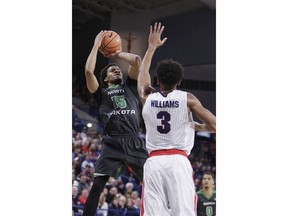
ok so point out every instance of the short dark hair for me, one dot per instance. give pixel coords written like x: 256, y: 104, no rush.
x: 209, y: 173
x: 169, y: 72
x: 103, y: 74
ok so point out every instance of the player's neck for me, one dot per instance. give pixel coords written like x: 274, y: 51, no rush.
x: 166, y: 91
x: 208, y: 191
x: 112, y: 85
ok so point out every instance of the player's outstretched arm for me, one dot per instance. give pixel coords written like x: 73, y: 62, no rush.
x: 144, y: 79
x: 208, y: 119
x: 91, y: 80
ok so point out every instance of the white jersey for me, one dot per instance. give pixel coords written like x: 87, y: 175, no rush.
x: 169, y: 125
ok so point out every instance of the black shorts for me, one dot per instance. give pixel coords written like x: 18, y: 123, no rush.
x: 120, y: 151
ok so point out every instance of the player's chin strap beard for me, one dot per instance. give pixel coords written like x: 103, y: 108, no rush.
x: 116, y: 81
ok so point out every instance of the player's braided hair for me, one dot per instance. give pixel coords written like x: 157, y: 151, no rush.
x: 169, y: 72
x: 103, y: 74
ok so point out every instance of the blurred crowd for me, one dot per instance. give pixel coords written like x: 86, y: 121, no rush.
x: 122, y: 194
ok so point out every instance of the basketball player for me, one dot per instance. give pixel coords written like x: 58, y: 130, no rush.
x: 168, y: 187
x: 119, y: 108
x: 206, y: 204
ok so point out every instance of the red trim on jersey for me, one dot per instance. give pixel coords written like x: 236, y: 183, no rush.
x: 142, y: 200
x: 167, y: 152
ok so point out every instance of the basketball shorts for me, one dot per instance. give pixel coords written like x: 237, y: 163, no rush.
x: 118, y: 151
x: 168, y: 187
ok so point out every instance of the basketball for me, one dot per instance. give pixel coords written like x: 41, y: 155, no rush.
x: 111, y: 43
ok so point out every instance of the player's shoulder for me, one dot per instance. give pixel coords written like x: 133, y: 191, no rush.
x: 178, y: 91
x: 200, y: 192
x: 190, y: 95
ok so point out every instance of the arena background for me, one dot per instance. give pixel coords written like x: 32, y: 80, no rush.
x: 191, y: 30
x: 35, y: 89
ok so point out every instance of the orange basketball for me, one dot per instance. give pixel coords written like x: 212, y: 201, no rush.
x: 111, y: 43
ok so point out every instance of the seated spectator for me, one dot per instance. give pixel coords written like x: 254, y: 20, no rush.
x: 134, y: 195
x: 137, y: 203
x: 131, y: 210
x: 86, y: 162
x: 122, y: 203
x: 129, y: 187
x: 120, y: 186
x: 83, y: 197
x: 102, y: 209
x: 76, y: 166
x: 113, y: 208
x: 85, y: 146
x: 75, y: 195
x: 128, y: 194
x: 89, y: 172
x: 112, y: 193
x: 106, y: 192
x: 83, y: 184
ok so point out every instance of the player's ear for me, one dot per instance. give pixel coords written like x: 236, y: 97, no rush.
x: 179, y: 83
x: 105, y: 79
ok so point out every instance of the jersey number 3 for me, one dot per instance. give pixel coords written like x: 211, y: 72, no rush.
x: 165, y: 126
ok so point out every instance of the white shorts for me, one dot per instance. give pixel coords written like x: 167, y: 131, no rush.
x: 168, y: 186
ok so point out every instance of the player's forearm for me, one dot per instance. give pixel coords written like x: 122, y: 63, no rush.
x: 131, y: 58
x: 144, y: 78
x: 209, y: 124
x: 203, y: 127
x: 91, y: 60
x: 91, y: 81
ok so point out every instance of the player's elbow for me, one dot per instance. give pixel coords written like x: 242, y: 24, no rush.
x: 137, y: 61
x: 89, y: 70
x: 92, y: 90
x: 92, y: 86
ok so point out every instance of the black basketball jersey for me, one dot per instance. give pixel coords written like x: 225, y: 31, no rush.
x: 206, y: 206
x: 120, y: 108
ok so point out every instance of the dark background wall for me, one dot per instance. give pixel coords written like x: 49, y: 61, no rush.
x: 191, y: 41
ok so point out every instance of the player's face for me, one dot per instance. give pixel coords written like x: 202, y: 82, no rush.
x: 207, y: 181
x: 114, y: 75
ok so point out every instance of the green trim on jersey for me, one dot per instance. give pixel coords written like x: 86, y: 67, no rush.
x: 113, y: 86
x: 202, y: 193
x: 98, y: 174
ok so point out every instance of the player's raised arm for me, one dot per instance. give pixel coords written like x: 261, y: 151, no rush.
x: 91, y: 80
x: 144, y: 79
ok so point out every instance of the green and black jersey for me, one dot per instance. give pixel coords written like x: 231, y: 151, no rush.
x: 120, y: 108
x: 206, y: 206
